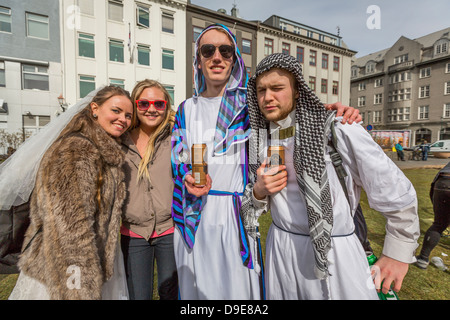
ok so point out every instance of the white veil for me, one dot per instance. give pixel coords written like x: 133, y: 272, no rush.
x: 18, y: 172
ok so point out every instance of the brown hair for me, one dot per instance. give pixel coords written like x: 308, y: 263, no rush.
x: 150, y: 148
x: 101, y: 97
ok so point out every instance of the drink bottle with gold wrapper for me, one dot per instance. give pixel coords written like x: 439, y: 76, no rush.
x: 276, y: 156
x: 199, y: 164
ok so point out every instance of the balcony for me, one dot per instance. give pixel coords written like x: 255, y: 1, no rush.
x: 401, y: 66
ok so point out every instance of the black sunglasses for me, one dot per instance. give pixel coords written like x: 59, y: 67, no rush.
x: 208, y: 50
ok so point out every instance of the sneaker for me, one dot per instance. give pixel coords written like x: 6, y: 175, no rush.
x: 422, y: 264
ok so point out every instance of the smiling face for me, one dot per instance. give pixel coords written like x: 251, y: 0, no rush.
x: 276, y: 94
x: 151, y: 118
x: 114, y: 115
x: 216, y: 69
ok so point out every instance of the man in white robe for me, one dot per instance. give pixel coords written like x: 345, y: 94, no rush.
x: 312, y: 251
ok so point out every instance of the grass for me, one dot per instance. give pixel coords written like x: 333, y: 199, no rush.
x: 429, y: 284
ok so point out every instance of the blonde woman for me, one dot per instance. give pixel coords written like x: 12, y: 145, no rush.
x: 147, y: 227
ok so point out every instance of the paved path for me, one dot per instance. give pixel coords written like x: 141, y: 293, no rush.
x: 432, y: 163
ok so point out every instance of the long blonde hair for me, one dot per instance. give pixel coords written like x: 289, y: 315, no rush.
x: 150, y: 149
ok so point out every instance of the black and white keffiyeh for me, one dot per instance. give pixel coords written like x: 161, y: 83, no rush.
x: 312, y: 121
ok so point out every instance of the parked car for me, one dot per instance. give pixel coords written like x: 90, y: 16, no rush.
x: 441, y: 149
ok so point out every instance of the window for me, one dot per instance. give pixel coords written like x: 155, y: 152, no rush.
x: 246, y: 46
x: 447, y: 69
x: 400, y: 77
x: 286, y: 48
x: 354, y: 71
x: 324, y: 86
x: 424, y: 92
x: 297, y: 30
x: 143, y: 16
x: 115, y: 10
x: 5, y: 19
x: 312, y: 57
x: 362, y: 101
x: 300, y: 54
x: 32, y: 124
x: 378, y: 82
x: 310, y: 34
x: 117, y: 82
x: 441, y: 47
x: 425, y: 72
x: 423, y: 112
x: 361, y: 86
x: 378, y: 98
x: 312, y: 83
x: 447, y: 88
x: 2, y: 75
x: 171, y: 91
x: 86, y: 45
x: 377, y: 116
x: 400, y: 59
x: 116, y: 50
x: 370, y: 67
x: 86, y: 7
x: 35, y: 77
x: 324, y: 61
x: 400, y: 95
x: 268, y: 46
x: 143, y: 55
x: 87, y: 84
x: 196, y: 32
x: 37, y: 26
x: 447, y: 110
x: 336, y: 62
x: 335, y: 89
x: 167, y: 22
x: 168, y: 59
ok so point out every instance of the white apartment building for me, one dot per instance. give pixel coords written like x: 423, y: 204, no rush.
x: 121, y: 42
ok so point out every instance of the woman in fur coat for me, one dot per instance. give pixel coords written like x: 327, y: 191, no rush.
x: 76, y: 205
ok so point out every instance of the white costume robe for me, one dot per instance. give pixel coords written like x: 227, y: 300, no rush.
x: 213, y: 268
x: 289, y: 254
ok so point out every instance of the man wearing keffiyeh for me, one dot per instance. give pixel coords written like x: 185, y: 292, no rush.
x: 312, y: 251
x: 215, y: 257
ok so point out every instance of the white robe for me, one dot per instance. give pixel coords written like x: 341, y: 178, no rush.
x: 289, y: 253
x: 213, y: 268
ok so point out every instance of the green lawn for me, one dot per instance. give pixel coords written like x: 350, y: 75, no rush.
x: 430, y: 284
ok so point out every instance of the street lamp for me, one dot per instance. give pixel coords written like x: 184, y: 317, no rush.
x: 62, y: 103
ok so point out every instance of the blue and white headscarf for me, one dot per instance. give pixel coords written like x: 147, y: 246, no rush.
x: 232, y: 123
x: 233, y: 127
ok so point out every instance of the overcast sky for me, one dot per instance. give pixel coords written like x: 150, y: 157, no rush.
x: 410, y: 18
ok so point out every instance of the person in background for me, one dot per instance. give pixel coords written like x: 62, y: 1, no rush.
x: 71, y: 248
x: 399, y: 148
x: 147, y: 224
x: 440, y: 197
x: 425, y: 149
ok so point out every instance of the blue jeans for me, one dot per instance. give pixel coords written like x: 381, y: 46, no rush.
x: 139, y: 258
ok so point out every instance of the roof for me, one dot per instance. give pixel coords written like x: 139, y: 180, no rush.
x: 425, y: 41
